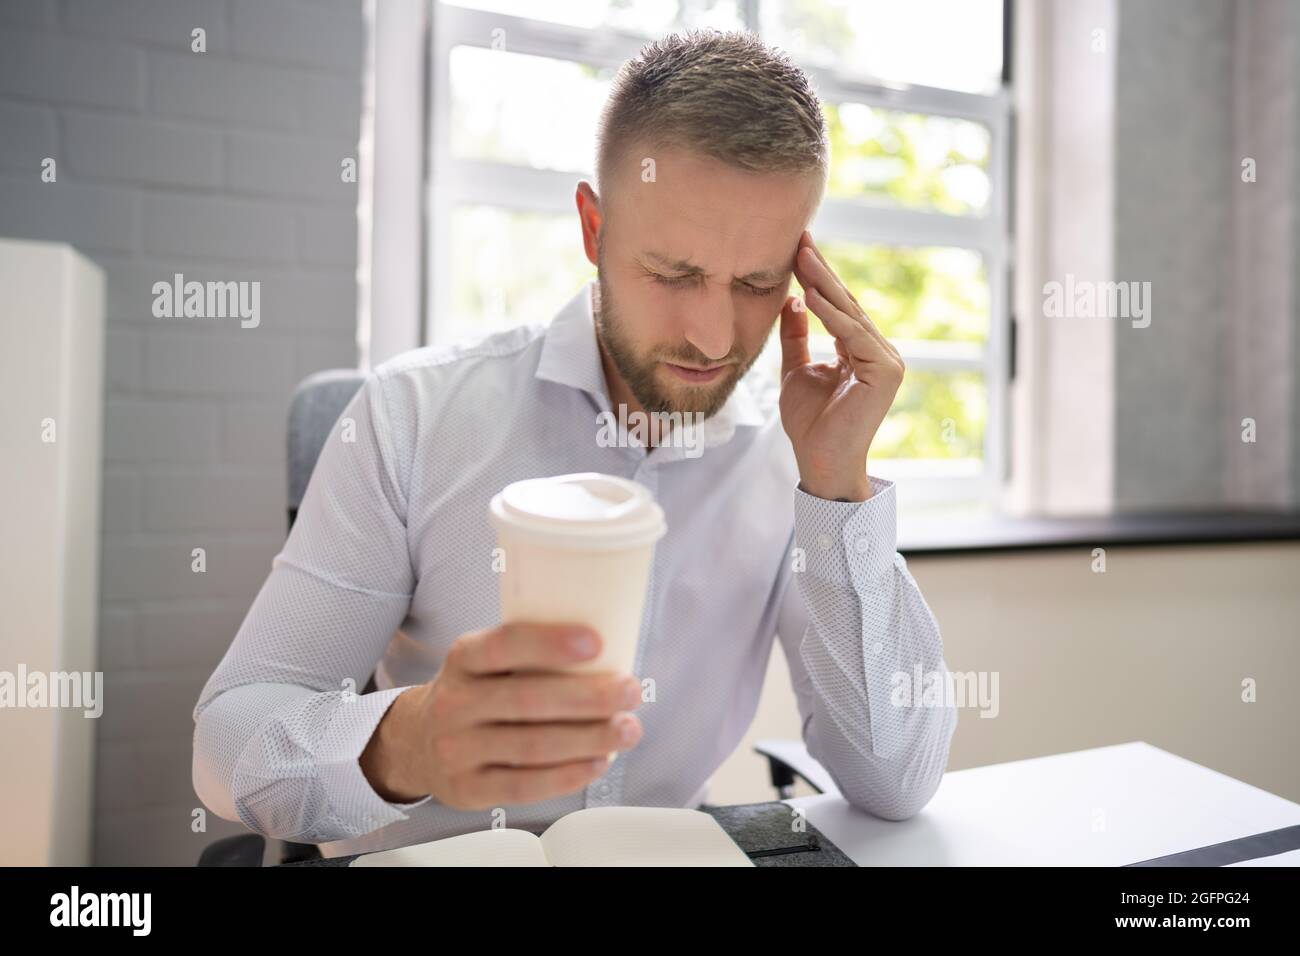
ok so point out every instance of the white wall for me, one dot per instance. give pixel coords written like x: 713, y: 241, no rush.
x: 1154, y: 649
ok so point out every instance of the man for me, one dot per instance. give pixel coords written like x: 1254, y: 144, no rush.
x: 711, y: 162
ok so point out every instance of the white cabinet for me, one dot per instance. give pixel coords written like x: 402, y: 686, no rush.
x: 51, y: 427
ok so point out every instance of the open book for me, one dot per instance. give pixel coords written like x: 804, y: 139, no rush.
x: 597, y: 836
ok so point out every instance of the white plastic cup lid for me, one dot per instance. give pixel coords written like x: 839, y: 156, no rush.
x: 584, y: 510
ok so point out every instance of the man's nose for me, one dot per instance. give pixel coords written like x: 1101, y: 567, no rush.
x: 711, y: 327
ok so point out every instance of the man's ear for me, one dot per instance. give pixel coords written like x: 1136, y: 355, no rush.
x: 590, y: 219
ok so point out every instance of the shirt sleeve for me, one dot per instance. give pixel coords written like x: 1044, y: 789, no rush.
x: 281, y: 724
x: 855, y: 627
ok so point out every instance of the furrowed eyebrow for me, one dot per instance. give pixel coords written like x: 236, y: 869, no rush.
x: 682, y: 265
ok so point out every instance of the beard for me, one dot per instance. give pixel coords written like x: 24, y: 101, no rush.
x: 639, y: 372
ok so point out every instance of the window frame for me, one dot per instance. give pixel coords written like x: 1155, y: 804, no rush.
x: 453, y: 181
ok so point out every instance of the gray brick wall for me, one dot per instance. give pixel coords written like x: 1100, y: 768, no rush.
x: 221, y: 165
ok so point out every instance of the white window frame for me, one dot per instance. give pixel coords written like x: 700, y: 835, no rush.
x: 453, y: 181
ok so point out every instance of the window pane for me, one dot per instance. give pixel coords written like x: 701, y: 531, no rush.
x: 503, y: 108
x: 935, y: 163
x: 953, y: 44
x: 648, y: 17
x: 935, y: 415
x: 937, y: 293
x: 499, y: 274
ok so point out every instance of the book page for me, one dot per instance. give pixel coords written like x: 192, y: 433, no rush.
x: 640, y: 836
x: 499, y: 847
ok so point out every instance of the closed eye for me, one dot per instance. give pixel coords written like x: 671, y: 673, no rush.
x: 677, y: 282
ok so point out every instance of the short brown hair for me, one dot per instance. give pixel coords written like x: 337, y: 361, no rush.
x: 722, y: 93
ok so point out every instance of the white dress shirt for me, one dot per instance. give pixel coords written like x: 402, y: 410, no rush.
x: 390, y: 560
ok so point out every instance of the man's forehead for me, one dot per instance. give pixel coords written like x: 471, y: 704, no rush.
x: 727, y: 214
x: 678, y: 236
x: 705, y: 194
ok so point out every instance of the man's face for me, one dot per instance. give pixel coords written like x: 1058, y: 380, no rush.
x: 693, y: 270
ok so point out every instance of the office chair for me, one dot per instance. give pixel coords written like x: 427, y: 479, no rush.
x: 315, y: 407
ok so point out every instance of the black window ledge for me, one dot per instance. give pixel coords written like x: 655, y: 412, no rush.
x: 926, y: 536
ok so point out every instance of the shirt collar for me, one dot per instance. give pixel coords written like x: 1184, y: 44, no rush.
x: 570, y: 356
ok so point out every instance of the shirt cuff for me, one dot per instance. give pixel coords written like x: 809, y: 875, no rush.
x: 850, y: 543
x: 350, y: 795
x: 850, y: 548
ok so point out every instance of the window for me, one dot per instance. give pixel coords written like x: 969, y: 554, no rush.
x: 915, y: 217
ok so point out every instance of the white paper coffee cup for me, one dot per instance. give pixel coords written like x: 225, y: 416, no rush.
x: 578, y: 549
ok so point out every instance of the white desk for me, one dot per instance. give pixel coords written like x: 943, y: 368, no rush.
x: 1105, y: 807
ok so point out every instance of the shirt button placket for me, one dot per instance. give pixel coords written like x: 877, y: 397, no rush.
x: 608, y: 789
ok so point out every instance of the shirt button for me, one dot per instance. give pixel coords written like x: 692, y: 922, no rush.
x: 877, y: 647
x: 824, y: 541
x: 603, y: 790
x: 862, y: 543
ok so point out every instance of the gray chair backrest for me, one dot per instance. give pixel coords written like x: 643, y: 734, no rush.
x: 317, y: 403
